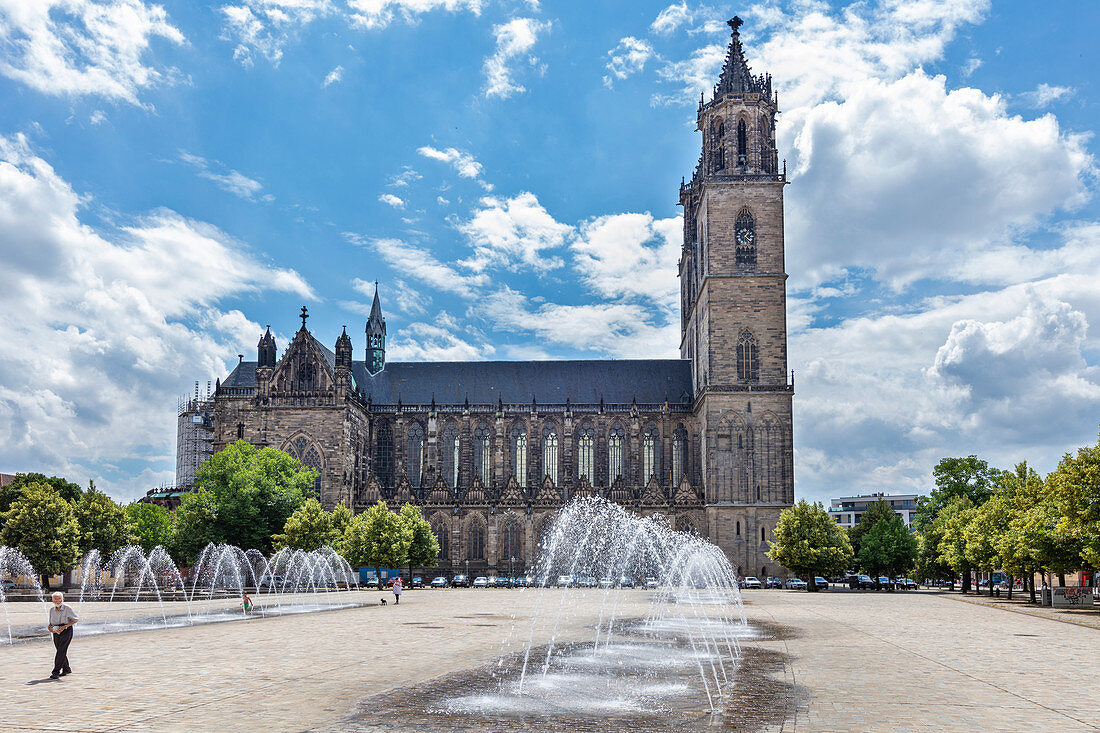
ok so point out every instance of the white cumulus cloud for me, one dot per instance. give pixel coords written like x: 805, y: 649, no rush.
x: 514, y: 40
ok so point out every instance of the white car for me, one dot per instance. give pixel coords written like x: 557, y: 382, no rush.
x: 481, y: 582
x: 751, y: 582
x: 566, y: 581
x: 796, y: 584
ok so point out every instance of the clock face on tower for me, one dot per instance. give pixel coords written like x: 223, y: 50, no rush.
x: 745, y: 237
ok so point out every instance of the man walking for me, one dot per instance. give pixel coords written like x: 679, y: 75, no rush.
x: 62, y: 619
x: 398, y: 586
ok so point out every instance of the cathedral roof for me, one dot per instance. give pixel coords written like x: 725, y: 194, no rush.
x: 614, y: 381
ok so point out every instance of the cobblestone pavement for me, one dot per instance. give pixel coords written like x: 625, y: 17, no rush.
x: 853, y: 662
x: 925, y: 662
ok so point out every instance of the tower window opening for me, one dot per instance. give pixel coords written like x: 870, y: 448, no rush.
x: 742, y: 143
x: 748, y: 358
x: 481, y: 453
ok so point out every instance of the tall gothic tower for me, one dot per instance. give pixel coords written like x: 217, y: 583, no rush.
x: 734, y: 327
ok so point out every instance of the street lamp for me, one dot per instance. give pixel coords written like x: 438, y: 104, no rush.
x: 511, y: 559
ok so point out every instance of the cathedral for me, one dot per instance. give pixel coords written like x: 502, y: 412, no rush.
x: 490, y: 450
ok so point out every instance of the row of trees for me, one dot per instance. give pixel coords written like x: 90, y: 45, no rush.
x: 809, y: 542
x: 250, y: 497
x: 985, y: 519
x: 377, y: 538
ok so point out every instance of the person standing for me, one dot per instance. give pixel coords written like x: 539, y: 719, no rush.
x: 398, y: 586
x: 62, y: 618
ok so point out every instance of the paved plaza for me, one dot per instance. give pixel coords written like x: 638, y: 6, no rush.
x: 850, y: 661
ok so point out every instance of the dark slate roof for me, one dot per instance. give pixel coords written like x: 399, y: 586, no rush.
x: 515, y: 382
x: 518, y: 382
x: 244, y: 376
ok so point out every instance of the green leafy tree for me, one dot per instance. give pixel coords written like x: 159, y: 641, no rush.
x: 970, y: 477
x: 1075, y: 486
x: 149, y: 525
x: 102, y: 523
x: 930, y: 565
x: 888, y: 547
x: 341, y: 518
x: 41, y: 524
x: 809, y: 542
x: 377, y: 538
x: 68, y: 491
x: 309, y: 527
x: 877, y: 512
x: 424, y: 546
x: 953, y: 519
x: 245, y: 496
x: 196, y: 526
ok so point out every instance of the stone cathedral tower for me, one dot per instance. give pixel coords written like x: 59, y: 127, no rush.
x: 734, y: 327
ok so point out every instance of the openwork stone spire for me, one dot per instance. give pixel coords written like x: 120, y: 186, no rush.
x: 737, y: 77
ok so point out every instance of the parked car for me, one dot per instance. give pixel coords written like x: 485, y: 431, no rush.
x: 820, y: 583
x: 481, y: 582
x: 566, y: 581
x: 502, y: 582
x: 587, y: 583
x: 651, y: 584
x: 751, y: 582
x: 607, y: 582
x: 460, y: 581
x: 418, y: 582
x: 626, y: 582
x: 8, y: 584
x: 439, y: 582
x: 796, y: 584
x: 271, y: 581
x: 885, y: 583
x: 525, y: 581
x: 862, y: 582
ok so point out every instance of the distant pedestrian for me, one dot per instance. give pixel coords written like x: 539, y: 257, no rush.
x: 62, y: 619
x: 398, y: 586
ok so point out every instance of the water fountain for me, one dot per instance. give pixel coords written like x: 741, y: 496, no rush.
x: 134, y: 590
x: 14, y: 565
x: 659, y: 658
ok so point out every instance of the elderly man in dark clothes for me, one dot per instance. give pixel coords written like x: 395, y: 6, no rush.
x: 62, y: 618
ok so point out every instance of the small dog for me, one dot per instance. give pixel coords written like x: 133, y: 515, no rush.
x: 383, y: 601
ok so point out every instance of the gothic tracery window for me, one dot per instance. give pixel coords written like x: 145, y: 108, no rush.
x: 742, y: 143
x: 475, y: 541
x: 416, y: 454
x: 720, y: 146
x: 745, y: 239
x: 383, y: 455
x: 679, y: 452
x: 482, y: 453
x: 586, y: 453
x: 550, y: 453
x: 450, y: 450
x: 650, y: 443
x: 615, y: 441
x: 748, y: 357
x: 439, y: 529
x: 519, y: 454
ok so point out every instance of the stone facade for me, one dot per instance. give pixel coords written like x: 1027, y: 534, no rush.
x: 490, y: 451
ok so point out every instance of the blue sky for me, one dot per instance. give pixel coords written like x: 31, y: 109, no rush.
x: 173, y: 177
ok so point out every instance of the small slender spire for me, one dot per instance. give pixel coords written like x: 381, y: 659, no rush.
x: 304, y: 316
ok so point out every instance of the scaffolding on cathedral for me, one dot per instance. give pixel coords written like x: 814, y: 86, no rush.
x: 194, y: 435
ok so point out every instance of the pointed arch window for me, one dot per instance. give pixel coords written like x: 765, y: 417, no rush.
x: 586, y: 453
x: 439, y: 529
x: 416, y: 454
x: 475, y: 541
x: 482, y: 453
x: 650, y: 442
x: 720, y: 146
x: 451, y: 447
x: 550, y: 453
x: 745, y: 239
x: 383, y: 455
x: 679, y: 453
x: 742, y: 143
x: 519, y: 454
x: 748, y: 358
x: 616, y: 439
